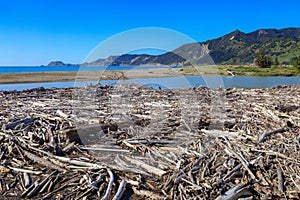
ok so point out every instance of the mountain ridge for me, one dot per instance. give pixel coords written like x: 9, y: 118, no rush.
x: 233, y: 48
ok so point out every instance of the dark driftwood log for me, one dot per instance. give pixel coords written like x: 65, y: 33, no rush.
x: 12, y: 125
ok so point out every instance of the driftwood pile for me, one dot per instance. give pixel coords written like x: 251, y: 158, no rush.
x: 131, y: 142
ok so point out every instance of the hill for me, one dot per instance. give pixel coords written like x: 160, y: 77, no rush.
x: 233, y: 48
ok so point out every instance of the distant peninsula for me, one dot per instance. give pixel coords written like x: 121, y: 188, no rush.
x: 60, y: 63
x: 235, y: 48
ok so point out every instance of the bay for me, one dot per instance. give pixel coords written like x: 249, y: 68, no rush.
x: 174, y: 82
x: 27, y: 69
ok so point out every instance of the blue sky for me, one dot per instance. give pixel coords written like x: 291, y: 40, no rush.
x: 35, y: 32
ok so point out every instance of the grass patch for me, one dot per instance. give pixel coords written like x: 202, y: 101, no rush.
x: 256, y: 71
x: 201, y: 70
x: 239, y: 70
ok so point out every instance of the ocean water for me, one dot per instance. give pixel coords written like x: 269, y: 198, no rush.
x: 24, y: 69
x: 174, y: 82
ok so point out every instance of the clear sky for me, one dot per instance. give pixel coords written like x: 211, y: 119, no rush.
x: 35, y: 32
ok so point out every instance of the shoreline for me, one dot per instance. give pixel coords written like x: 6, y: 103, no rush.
x: 69, y: 76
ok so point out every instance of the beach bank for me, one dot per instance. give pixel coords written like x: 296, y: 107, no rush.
x: 36, y: 77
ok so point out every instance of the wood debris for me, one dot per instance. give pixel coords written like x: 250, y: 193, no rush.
x: 132, y: 142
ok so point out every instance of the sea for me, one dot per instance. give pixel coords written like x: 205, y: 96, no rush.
x: 156, y: 83
x: 27, y: 69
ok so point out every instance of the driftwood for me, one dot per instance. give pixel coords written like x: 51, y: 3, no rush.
x: 120, y: 191
x: 240, y: 190
x: 266, y: 134
x: 109, y: 186
x: 12, y: 125
x: 132, y: 142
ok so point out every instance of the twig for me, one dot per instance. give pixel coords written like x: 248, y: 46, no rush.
x: 266, y: 134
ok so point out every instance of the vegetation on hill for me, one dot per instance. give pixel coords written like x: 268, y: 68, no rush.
x: 296, y: 64
x: 236, y: 48
x: 241, y: 48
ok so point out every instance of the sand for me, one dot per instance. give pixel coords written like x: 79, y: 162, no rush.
x: 36, y: 77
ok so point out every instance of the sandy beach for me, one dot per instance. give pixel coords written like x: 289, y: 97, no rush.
x: 36, y: 77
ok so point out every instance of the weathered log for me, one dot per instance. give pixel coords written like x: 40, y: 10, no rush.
x: 27, y: 180
x: 234, y: 193
x: 266, y: 134
x: 62, y: 114
x: 120, y: 190
x: 12, y: 125
x: 148, y: 168
x: 109, y: 186
x: 280, y: 180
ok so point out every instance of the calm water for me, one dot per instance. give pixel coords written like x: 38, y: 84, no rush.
x: 176, y: 82
x: 9, y: 69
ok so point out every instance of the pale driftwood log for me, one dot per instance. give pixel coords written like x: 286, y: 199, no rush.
x: 12, y: 125
x: 236, y: 192
x: 240, y: 157
x: 95, y: 182
x: 297, y: 140
x: 229, y: 174
x: 148, y: 168
x: 146, y: 194
x: 120, y: 190
x: 62, y: 114
x: 266, y: 134
x: 27, y: 180
x: 79, y: 163
x: 220, y: 133
x: 42, y: 161
x: 229, y: 72
x: 25, y: 170
x: 150, y: 142
x: 280, y: 180
x: 59, y: 158
x: 68, y: 147
x: 109, y: 186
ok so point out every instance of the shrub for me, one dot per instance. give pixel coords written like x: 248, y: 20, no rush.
x: 296, y: 63
x: 263, y: 61
x: 276, y: 62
